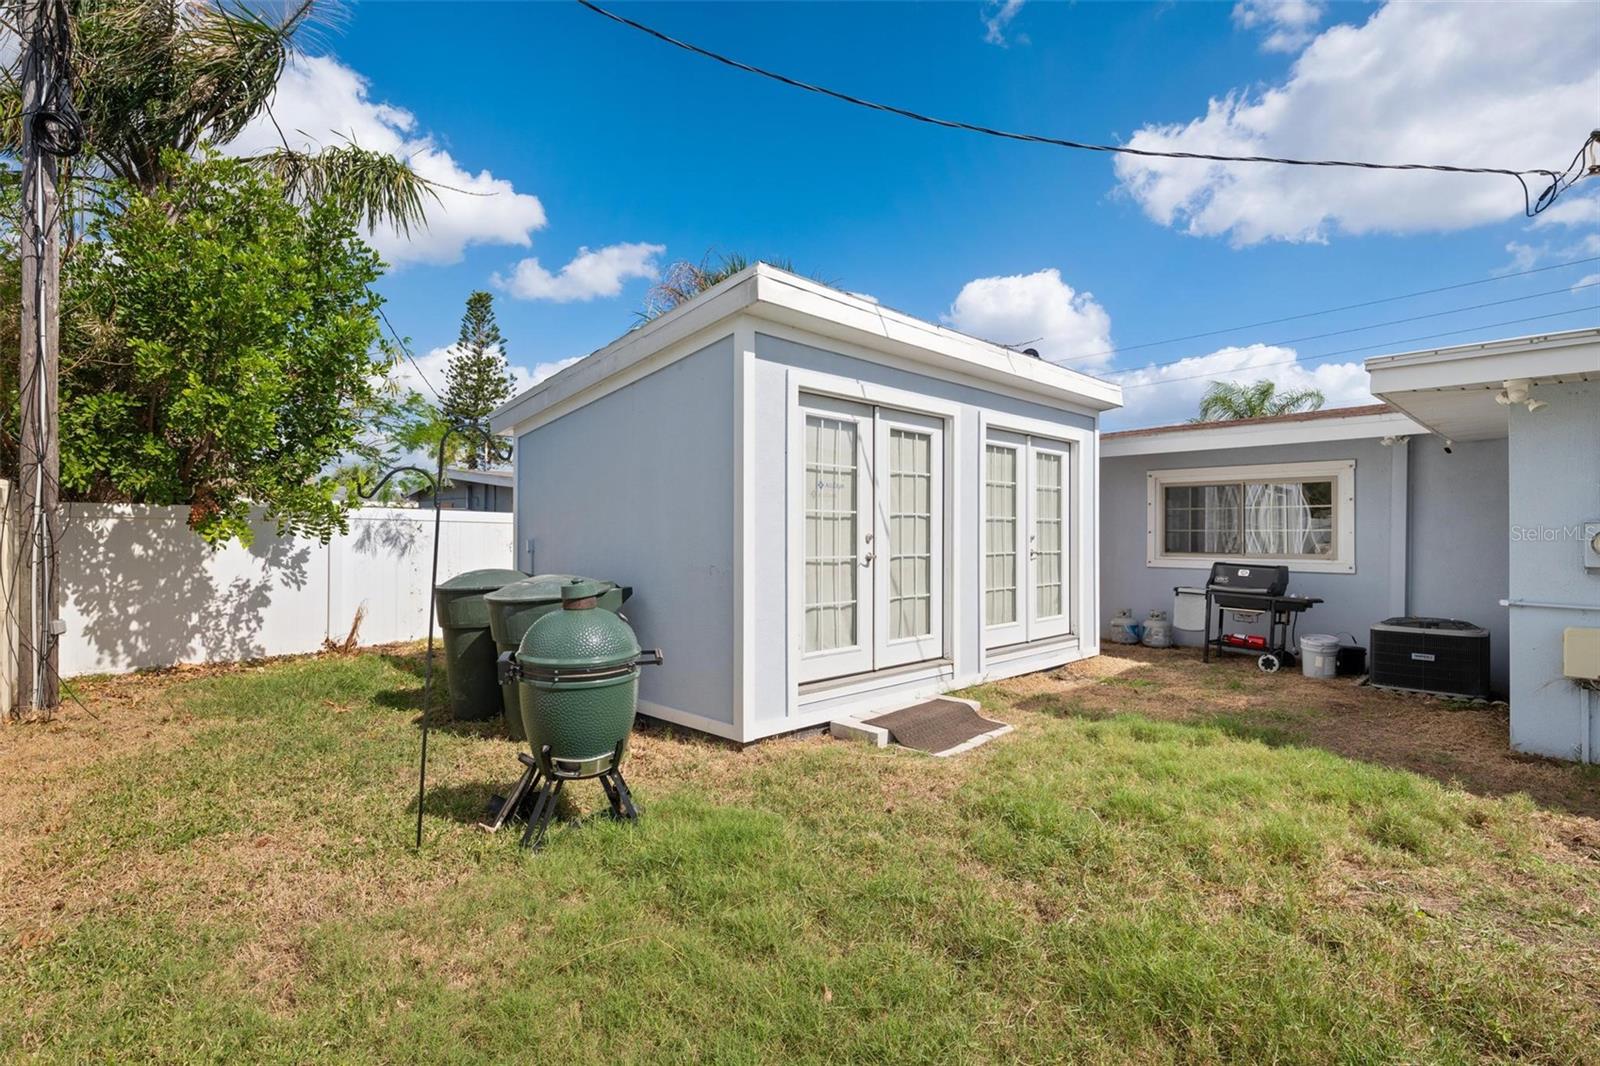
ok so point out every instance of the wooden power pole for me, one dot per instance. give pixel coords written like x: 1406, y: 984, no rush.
x: 44, y: 34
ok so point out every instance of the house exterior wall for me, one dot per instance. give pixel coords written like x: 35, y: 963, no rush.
x: 773, y: 705
x: 1554, y: 462
x: 1419, y: 513
x: 1459, y: 562
x: 469, y: 496
x: 637, y: 487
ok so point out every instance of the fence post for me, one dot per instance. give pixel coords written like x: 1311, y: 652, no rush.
x: 9, y: 632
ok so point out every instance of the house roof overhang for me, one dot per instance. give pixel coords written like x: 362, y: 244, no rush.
x: 764, y: 292
x: 1452, y: 391
x: 1374, y: 421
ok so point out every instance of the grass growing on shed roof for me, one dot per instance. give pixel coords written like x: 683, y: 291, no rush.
x: 219, y: 868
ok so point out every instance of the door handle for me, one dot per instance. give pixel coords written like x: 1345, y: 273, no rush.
x: 866, y: 560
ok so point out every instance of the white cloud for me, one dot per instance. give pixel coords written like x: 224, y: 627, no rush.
x: 1163, y: 395
x: 321, y: 102
x: 1036, y: 310
x: 997, y: 17
x: 1585, y: 281
x: 1289, y: 23
x: 599, y: 272
x: 434, y: 364
x: 1504, y: 85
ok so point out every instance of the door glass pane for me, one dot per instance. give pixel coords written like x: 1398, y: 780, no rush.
x: 830, y: 538
x: 1047, y: 534
x: 910, y: 534
x: 1000, y: 535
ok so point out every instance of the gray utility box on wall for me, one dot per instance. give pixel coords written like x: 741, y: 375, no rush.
x: 1442, y: 656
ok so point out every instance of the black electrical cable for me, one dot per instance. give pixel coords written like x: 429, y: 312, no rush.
x: 1379, y: 325
x: 57, y: 128
x: 1560, y: 180
x: 1331, y: 310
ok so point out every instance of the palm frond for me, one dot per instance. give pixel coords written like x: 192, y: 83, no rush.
x: 373, y: 186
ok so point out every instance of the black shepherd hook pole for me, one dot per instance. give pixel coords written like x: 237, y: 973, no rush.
x: 435, y: 481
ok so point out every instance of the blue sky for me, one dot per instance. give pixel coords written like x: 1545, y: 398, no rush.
x: 592, y: 136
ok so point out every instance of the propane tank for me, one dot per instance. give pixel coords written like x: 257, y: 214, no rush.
x: 1157, y: 630
x: 1124, y: 630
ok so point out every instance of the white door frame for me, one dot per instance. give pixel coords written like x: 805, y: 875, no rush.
x: 1080, y: 591
x: 1016, y: 630
x: 892, y: 651
x: 830, y: 386
x: 856, y: 657
x: 1040, y: 626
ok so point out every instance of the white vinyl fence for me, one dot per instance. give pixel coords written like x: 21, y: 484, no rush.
x: 139, y: 589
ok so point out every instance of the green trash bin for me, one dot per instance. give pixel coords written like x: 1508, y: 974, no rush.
x: 468, y: 647
x: 517, y: 606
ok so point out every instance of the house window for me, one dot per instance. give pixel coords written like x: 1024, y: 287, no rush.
x: 1302, y: 514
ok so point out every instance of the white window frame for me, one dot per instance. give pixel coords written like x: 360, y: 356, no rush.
x: 1341, y: 472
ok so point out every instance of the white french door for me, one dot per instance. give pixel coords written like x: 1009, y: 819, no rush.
x: 872, y: 496
x: 1026, y: 539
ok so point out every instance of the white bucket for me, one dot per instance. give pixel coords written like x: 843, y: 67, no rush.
x: 1319, y: 655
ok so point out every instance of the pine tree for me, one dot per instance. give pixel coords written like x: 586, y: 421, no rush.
x: 478, y: 379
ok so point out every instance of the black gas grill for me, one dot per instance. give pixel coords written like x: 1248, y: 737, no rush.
x: 1251, y: 591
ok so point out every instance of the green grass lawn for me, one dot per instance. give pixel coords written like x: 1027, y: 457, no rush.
x: 219, y: 868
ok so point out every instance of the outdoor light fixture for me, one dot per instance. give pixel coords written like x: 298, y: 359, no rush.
x: 1516, y: 391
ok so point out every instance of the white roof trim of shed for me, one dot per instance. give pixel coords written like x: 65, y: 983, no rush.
x: 766, y: 292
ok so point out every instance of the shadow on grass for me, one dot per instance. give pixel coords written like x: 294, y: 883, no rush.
x: 475, y: 802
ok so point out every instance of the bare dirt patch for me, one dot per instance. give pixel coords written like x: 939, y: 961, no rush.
x: 1460, y: 744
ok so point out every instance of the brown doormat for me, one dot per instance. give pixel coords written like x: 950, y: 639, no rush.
x: 939, y: 727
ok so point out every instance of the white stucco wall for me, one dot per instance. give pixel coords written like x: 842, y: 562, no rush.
x: 1554, y: 461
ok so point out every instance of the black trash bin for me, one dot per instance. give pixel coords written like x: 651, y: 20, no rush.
x: 469, y: 651
x: 517, y: 606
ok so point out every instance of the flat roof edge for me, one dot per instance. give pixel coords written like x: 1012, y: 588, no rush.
x: 765, y: 292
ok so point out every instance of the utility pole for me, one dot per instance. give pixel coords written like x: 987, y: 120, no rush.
x: 44, y: 41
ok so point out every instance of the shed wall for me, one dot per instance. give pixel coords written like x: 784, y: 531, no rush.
x: 637, y: 487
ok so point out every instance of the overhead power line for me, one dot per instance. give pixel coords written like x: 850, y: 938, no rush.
x: 1379, y: 325
x: 1330, y: 310
x: 1307, y: 361
x: 1559, y: 180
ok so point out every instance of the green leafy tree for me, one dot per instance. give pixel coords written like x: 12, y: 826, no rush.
x: 221, y: 349
x: 478, y: 379
x: 1229, y: 401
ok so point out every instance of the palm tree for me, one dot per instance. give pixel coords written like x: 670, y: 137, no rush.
x: 683, y: 280
x: 151, y: 77
x: 1228, y: 401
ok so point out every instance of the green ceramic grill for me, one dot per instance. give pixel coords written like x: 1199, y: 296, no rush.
x: 578, y: 671
x: 520, y: 604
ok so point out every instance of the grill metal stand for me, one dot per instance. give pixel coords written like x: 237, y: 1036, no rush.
x: 1257, y: 590
x: 533, y: 799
